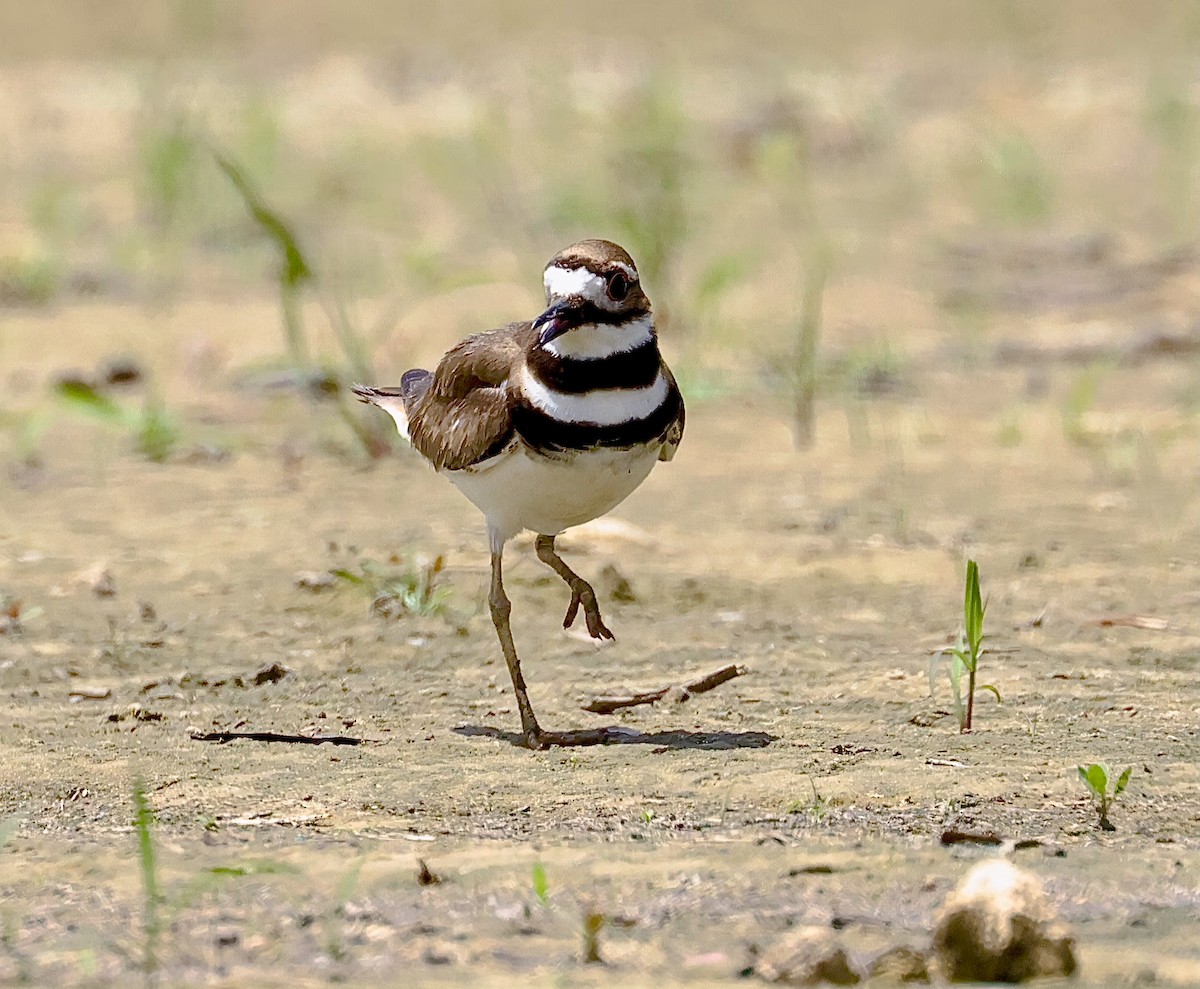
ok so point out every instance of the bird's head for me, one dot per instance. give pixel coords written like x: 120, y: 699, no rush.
x: 595, y: 303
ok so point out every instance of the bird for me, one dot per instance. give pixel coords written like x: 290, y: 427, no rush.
x: 547, y: 424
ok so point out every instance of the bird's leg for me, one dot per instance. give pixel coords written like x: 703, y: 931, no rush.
x: 581, y: 590
x: 501, y: 609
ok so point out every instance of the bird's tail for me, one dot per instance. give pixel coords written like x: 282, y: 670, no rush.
x: 397, y: 401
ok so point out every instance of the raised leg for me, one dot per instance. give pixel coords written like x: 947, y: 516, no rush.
x: 581, y: 590
x: 501, y: 609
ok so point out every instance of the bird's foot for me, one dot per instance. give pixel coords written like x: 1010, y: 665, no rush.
x: 582, y: 594
x: 531, y: 733
x: 534, y: 740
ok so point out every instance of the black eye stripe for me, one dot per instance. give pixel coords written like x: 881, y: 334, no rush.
x: 586, y: 311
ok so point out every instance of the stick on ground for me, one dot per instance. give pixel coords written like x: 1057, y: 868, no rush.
x: 614, y: 702
x: 273, y: 736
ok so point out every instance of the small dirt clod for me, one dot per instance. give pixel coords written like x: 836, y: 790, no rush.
x: 808, y: 956
x: 900, y: 965
x: 997, y: 926
x: 270, y: 674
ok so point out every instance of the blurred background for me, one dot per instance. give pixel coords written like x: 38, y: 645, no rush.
x: 926, y: 272
x: 820, y: 197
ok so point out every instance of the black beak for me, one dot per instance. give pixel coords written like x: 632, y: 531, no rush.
x: 555, y: 321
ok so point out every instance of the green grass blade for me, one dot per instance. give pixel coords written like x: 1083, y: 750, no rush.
x: 541, y: 886
x: 973, y: 608
x: 295, y: 270
x: 82, y: 396
x: 266, y: 868
x: 143, y: 824
x: 213, y: 879
x: 972, y: 572
x: 992, y: 689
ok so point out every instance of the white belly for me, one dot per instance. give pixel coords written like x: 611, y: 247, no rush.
x: 521, y: 490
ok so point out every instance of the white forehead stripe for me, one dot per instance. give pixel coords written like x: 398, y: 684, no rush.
x: 603, y: 407
x: 564, y: 282
x: 561, y: 283
x: 595, y: 341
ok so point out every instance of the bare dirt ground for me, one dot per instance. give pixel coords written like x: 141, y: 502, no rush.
x: 831, y: 575
x: 1047, y: 428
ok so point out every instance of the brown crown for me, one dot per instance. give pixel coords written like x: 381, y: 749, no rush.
x: 595, y: 255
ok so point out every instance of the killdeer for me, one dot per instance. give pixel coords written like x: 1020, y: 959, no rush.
x: 548, y: 424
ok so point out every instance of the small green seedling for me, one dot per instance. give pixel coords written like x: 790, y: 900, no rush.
x: 1104, y: 790
x: 815, y: 809
x: 967, y: 652
x: 413, y: 589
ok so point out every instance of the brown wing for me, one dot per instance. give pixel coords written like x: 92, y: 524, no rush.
x: 463, y: 417
x: 675, y: 433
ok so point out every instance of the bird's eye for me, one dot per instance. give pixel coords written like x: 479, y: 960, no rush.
x: 618, y: 286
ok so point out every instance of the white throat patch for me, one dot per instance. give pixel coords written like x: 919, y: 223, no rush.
x: 595, y: 341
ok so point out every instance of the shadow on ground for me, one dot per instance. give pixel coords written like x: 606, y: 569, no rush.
x: 628, y: 736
